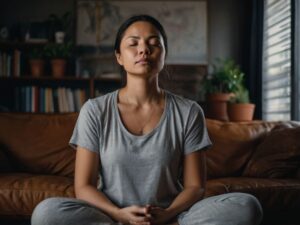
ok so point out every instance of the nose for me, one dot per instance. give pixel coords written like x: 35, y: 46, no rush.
x: 144, y: 49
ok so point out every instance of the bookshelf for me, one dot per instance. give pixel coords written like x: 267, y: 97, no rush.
x: 49, y: 94
x: 22, y: 92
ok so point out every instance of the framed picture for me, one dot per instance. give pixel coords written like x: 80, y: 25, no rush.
x: 185, y: 23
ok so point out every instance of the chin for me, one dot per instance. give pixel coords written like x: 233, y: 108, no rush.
x: 146, y: 74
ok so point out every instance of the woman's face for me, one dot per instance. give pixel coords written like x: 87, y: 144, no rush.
x: 142, y: 50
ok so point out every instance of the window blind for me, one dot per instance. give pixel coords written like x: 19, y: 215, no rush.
x: 276, y: 80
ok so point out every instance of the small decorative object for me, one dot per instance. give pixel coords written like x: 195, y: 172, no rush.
x: 37, y: 63
x: 4, y: 33
x: 59, y: 37
x: 239, y: 106
x: 58, y: 54
x: 219, y: 87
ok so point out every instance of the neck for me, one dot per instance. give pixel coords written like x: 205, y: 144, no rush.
x: 140, y: 91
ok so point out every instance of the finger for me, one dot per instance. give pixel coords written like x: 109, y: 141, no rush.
x: 140, y: 219
x: 147, y: 209
x: 139, y: 210
x: 156, y: 207
x: 155, y: 210
x: 148, y: 215
x: 139, y: 223
x: 143, y: 223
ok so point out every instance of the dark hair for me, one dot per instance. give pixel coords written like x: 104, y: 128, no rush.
x: 138, y: 18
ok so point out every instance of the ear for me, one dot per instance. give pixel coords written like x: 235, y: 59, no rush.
x: 119, y: 58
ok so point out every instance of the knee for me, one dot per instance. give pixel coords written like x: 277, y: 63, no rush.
x: 46, y: 212
x: 252, y: 210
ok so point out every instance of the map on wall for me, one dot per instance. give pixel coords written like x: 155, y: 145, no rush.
x: 185, y: 23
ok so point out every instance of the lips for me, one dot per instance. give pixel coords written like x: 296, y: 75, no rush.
x: 143, y: 61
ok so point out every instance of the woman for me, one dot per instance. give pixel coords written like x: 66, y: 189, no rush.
x: 146, y: 146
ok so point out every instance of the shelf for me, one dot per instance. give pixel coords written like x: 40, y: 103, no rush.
x: 66, y: 78
x: 113, y: 79
x: 25, y: 93
x: 20, y: 44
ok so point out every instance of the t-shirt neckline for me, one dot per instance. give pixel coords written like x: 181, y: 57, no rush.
x: 158, y: 125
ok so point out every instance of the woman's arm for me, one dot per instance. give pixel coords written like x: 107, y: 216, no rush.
x: 194, y: 178
x: 86, y: 175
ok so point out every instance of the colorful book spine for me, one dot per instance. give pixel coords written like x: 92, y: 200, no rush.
x: 48, y: 100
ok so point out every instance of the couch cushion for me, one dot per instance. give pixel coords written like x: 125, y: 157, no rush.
x: 38, y: 143
x: 278, y: 156
x: 275, y: 195
x: 20, y: 193
x: 233, y: 144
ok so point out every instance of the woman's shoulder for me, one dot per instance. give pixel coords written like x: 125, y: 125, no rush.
x: 182, y: 102
x: 101, y: 103
x: 103, y: 98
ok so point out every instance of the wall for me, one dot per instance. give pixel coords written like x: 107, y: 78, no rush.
x: 226, y: 23
x: 12, y: 11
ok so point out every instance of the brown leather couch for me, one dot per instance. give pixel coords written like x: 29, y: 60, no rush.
x: 261, y: 158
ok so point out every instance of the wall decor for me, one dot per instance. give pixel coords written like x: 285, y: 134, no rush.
x: 185, y: 23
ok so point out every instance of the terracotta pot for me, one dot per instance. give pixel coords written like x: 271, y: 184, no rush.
x: 240, y: 111
x: 37, y: 67
x: 217, y: 106
x: 58, y: 67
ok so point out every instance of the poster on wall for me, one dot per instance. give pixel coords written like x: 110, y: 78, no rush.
x: 185, y: 23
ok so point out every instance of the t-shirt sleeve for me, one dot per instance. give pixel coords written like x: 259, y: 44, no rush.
x: 86, y: 131
x: 196, y: 135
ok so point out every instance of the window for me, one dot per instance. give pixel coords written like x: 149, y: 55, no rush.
x: 277, y: 60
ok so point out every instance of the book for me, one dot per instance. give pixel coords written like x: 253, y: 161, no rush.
x: 60, y: 100
x: 27, y: 99
x: 70, y: 100
x: 55, y: 100
x: 16, y: 63
x: 42, y: 99
x: 51, y: 104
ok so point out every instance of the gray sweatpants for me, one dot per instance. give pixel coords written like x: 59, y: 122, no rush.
x: 226, y: 209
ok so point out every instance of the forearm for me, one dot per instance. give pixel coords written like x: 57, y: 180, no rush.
x: 90, y: 194
x: 185, y: 199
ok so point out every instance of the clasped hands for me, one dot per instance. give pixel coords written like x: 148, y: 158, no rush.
x: 147, y: 215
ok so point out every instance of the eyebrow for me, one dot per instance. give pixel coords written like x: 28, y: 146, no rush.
x: 151, y: 36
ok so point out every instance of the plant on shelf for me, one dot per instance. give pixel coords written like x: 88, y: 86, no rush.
x: 36, y: 62
x: 219, y: 87
x: 239, y: 107
x: 58, y: 51
x: 58, y: 55
x: 240, y: 96
x: 225, y: 77
x: 60, y: 25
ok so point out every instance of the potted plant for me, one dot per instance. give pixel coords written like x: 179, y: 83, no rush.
x: 36, y: 62
x: 60, y: 25
x: 219, y: 87
x: 58, y: 54
x: 239, y: 106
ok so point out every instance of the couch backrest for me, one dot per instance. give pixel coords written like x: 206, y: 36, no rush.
x: 37, y: 143
x: 233, y: 145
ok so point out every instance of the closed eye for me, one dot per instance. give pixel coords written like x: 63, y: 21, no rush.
x: 155, y: 42
x: 132, y: 44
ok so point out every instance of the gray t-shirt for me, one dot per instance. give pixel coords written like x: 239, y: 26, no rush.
x: 143, y: 169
